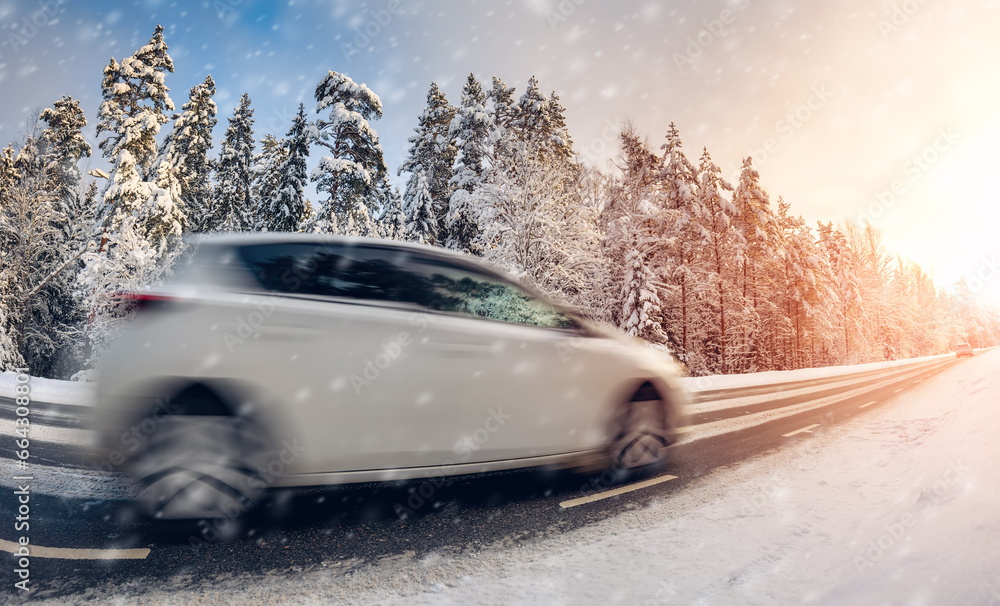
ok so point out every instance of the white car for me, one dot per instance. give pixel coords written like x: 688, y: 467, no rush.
x: 287, y: 360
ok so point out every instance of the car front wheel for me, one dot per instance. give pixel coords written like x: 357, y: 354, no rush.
x: 643, y: 434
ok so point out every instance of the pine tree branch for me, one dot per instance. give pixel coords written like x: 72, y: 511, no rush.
x: 34, y: 291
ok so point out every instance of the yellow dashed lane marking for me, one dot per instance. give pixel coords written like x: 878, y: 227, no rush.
x: 66, y: 553
x: 617, y: 491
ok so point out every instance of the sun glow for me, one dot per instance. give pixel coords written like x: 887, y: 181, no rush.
x: 954, y: 191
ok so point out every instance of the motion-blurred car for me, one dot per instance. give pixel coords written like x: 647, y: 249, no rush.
x: 964, y: 349
x: 293, y: 360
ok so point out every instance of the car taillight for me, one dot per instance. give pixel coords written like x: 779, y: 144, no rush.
x: 132, y: 302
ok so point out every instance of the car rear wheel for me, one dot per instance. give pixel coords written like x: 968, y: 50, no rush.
x: 198, y: 466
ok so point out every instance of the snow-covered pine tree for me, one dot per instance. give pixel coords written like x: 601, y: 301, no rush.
x: 418, y: 209
x: 808, y: 296
x: 560, y: 141
x: 641, y: 308
x: 626, y: 219
x: 876, y: 268
x: 470, y: 130
x: 234, y: 175
x: 135, y: 102
x: 681, y: 236
x: 844, y: 266
x: 391, y: 220
x: 720, y: 241
x: 131, y: 114
x: 267, y: 179
x: 531, y: 121
x: 54, y: 314
x: 533, y: 225
x: 432, y: 153
x: 10, y: 356
x: 677, y: 177
x: 757, y: 226
x: 129, y: 263
x: 286, y: 208
x: 185, y: 151
x: 502, y: 104
x: 34, y: 249
x: 351, y: 174
x: 139, y: 222
x: 63, y: 145
x: 16, y: 221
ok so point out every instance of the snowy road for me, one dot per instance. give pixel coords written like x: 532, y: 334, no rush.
x: 752, y: 516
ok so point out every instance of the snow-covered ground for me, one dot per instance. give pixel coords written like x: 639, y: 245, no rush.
x: 51, y: 391
x: 896, y: 507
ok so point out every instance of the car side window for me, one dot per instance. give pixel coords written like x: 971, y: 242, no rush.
x: 383, y: 274
x: 465, y: 291
x: 329, y: 270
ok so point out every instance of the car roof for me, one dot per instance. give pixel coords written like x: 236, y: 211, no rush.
x: 253, y: 238
x: 470, y: 262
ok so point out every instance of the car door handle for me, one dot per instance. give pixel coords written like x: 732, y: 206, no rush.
x: 461, y: 348
x: 291, y: 331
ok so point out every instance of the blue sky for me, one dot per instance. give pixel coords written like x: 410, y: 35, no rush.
x: 837, y: 101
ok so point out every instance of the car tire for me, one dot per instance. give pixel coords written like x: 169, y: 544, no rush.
x: 198, y: 466
x: 642, y: 434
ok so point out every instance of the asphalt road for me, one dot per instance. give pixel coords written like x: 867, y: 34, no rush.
x: 297, y: 530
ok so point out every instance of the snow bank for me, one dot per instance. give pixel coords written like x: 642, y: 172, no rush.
x: 51, y: 391
x: 803, y: 374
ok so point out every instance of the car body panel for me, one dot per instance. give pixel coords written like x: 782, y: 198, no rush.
x: 380, y: 389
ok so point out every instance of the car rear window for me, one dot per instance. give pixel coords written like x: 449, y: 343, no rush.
x: 330, y: 270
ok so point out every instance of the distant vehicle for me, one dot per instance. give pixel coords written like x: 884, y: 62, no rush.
x: 964, y: 349
x: 296, y: 360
